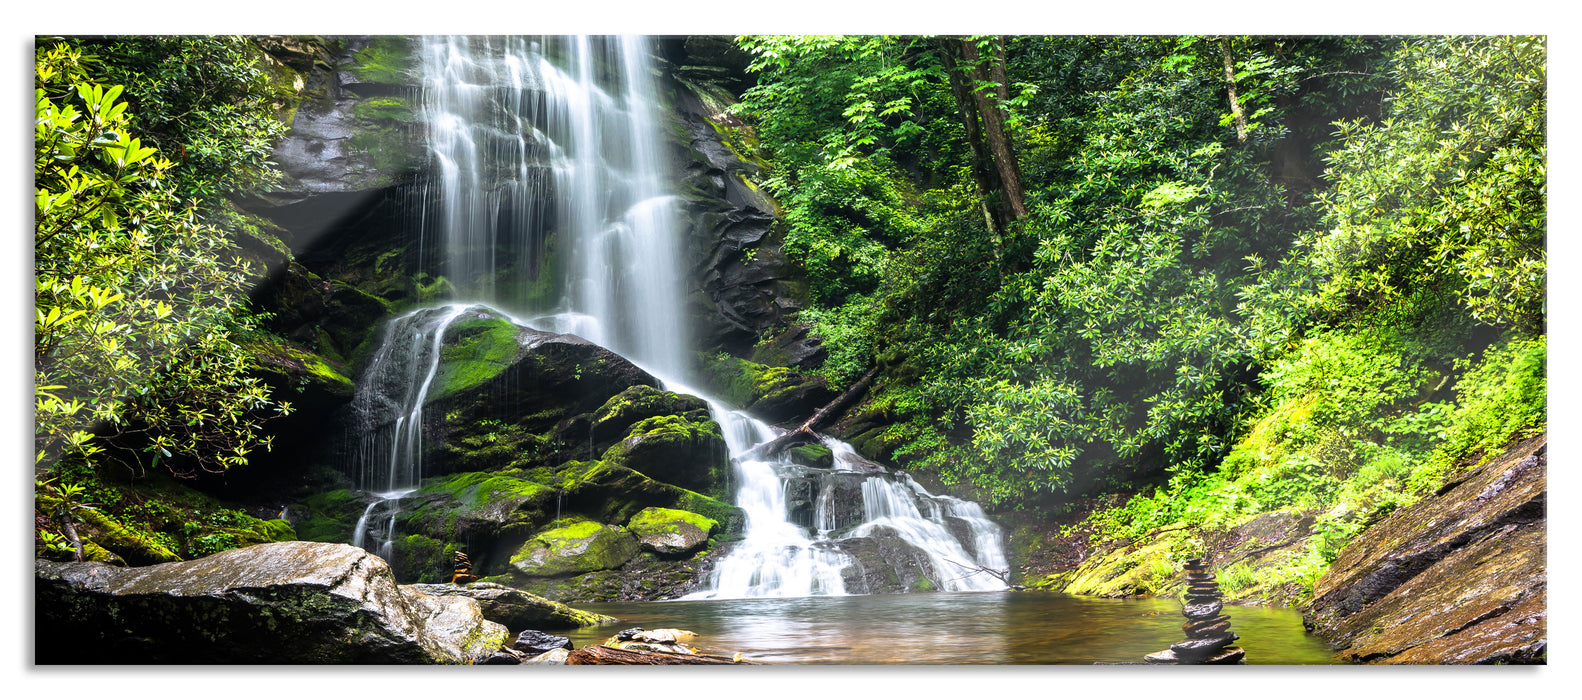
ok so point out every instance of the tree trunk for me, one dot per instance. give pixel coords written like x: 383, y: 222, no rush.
x: 994, y: 164
x: 1230, y: 88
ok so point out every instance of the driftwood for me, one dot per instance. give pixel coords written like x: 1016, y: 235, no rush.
x: 600, y: 655
x: 804, y: 432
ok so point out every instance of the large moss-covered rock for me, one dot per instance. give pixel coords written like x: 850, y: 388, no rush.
x: 773, y: 394
x: 1459, y: 577
x: 640, y: 402
x: 575, y: 549
x: 686, y: 450
x: 479, y: 505
x: 614, y: 494
x: 647, y: 576
x: 671, y: 532
x: 518, y: 609
x: 289, y: 602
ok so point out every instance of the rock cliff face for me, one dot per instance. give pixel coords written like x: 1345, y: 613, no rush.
x: 1457, y: 578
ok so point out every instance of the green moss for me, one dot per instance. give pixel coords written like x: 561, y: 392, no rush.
x: 500, y: 501
x: 742, y: 382
x: 613, y: 493
x: 577, y: 548
x: 392, y: 109
x: 330, y: 516
x: 299, y: 365
x: 812, y: 456
x: 421, y: 559
x: 652, y: 521
x: 386, y: 59
x: 134, y: 545
x: 476, y: 351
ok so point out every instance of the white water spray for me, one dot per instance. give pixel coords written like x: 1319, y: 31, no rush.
x: 533, y: 152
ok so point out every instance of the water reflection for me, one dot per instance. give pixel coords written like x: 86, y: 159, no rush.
x: 954, y: 628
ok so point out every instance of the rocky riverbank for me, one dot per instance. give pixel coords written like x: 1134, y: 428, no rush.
x: 1459, y: 577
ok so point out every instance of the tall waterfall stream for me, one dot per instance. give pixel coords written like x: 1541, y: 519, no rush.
x: 507, y: 125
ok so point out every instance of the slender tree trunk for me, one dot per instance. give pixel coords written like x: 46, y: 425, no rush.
x: 991, y: 107
x: 994, y: 164
x: 1230, y: 88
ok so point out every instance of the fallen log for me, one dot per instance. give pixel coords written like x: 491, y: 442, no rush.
x: 600, y: 655
x: 804, y: 432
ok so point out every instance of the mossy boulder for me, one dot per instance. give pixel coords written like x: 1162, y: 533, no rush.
x: 508, y: 395
x: 640, y: 402
x: 686, y: 450
x: 471, y: 505
x: 418, y: 558
x: 668, y: 531
x: 773, y: 394
x: 614, y: 494
x: 577, y: 548
x: 647, y: 576
x: 476, y: 349
x: 817, y: 456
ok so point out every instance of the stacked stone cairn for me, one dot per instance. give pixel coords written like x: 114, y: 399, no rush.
x: 1208, y: 632
x: 462, y: 568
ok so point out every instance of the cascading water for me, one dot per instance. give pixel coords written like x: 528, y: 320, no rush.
x: 552, y: 144
x: 388, y: 411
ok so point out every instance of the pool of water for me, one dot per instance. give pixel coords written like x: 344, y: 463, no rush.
x: 953, y: 628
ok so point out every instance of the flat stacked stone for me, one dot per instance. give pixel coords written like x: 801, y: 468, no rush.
x: 1208, y: 632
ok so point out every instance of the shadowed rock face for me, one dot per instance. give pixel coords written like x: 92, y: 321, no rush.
x: 286, y: 602
x: 1456, y: 578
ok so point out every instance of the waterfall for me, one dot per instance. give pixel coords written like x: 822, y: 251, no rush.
x: 387, y: 412
x: 547, y: 168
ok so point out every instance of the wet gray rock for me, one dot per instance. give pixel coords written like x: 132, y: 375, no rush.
x: 285, y: 602
x: 886, y: 563
x: 534, y: 642
x: 515, y: 608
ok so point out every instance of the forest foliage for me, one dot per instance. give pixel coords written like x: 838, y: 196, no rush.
x: 1254, y: 272
x: 140, y: 299
x: 1219, y: 275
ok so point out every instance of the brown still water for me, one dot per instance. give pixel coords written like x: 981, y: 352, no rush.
x: 953, y: 628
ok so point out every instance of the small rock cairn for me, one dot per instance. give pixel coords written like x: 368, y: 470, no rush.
x: 1208, y: 632
x: 462, y: 568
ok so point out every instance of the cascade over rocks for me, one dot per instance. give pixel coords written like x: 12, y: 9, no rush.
x: 287, y: 602
x: 1457, y: 578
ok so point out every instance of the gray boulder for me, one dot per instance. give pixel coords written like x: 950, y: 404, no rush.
x: 285, y: 602
x: 517, y: 609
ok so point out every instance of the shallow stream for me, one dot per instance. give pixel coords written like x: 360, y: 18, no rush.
x: 953, y: 628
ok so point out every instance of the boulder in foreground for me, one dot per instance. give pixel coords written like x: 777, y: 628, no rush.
x: 284, y: 602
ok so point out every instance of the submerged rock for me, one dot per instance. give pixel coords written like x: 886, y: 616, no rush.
x: 287, y: 602
x: 1456, y: 578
